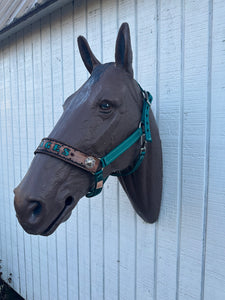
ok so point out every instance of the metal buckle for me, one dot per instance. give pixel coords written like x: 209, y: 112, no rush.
x: 141, y: 125
x: 147, y: 96
x: 143, y: 149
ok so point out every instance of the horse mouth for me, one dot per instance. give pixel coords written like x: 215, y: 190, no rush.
x: 62, y: 217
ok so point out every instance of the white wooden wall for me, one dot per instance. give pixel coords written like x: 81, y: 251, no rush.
x: 105, y: 251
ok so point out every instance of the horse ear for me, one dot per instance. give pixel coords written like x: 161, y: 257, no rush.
x: 90, y: 61
x: 123, y: 55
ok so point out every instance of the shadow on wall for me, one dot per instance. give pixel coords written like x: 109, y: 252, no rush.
x: 7, y: 293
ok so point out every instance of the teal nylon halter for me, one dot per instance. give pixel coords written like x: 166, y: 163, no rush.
x: 91, y: 164
x: 143, y: 132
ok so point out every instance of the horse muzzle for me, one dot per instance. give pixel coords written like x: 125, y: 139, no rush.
x: 37, y: 217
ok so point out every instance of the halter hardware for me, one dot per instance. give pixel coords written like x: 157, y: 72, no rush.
x: 95, y: 165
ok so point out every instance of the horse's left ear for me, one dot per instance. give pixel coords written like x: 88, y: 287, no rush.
x: 123, y: 55
x: 87, y: 55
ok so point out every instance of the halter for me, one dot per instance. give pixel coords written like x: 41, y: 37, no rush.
x: 95, y: 165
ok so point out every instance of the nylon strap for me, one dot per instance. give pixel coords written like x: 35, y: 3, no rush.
x: 98, y: 184
x: 116, y: 152
x: 135, y: 166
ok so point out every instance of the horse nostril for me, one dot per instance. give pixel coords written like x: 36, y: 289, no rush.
x: 36, y: 208
x: 69, y: 201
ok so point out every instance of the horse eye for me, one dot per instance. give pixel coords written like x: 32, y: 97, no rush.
x: 105, y: 106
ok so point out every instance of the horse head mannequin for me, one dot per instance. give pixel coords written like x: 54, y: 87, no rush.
x: 102, y: 115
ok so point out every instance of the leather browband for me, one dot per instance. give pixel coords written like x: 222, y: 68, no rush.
x: 68, y: 154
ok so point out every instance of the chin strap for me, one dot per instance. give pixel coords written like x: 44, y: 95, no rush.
x: 92, y: 164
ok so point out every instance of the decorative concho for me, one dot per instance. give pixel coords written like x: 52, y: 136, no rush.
x: 89, y: 162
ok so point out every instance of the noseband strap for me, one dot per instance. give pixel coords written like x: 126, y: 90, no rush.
x: 95, y: 165
x: 69, y: 154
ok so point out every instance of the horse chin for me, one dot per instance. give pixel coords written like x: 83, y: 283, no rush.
x: 62, y: 216
x: 54, y: 225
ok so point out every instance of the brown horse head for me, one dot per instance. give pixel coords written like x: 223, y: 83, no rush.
x: 98, y: 117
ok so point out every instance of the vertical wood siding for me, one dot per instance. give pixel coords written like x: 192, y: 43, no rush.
x: 105, y: 251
